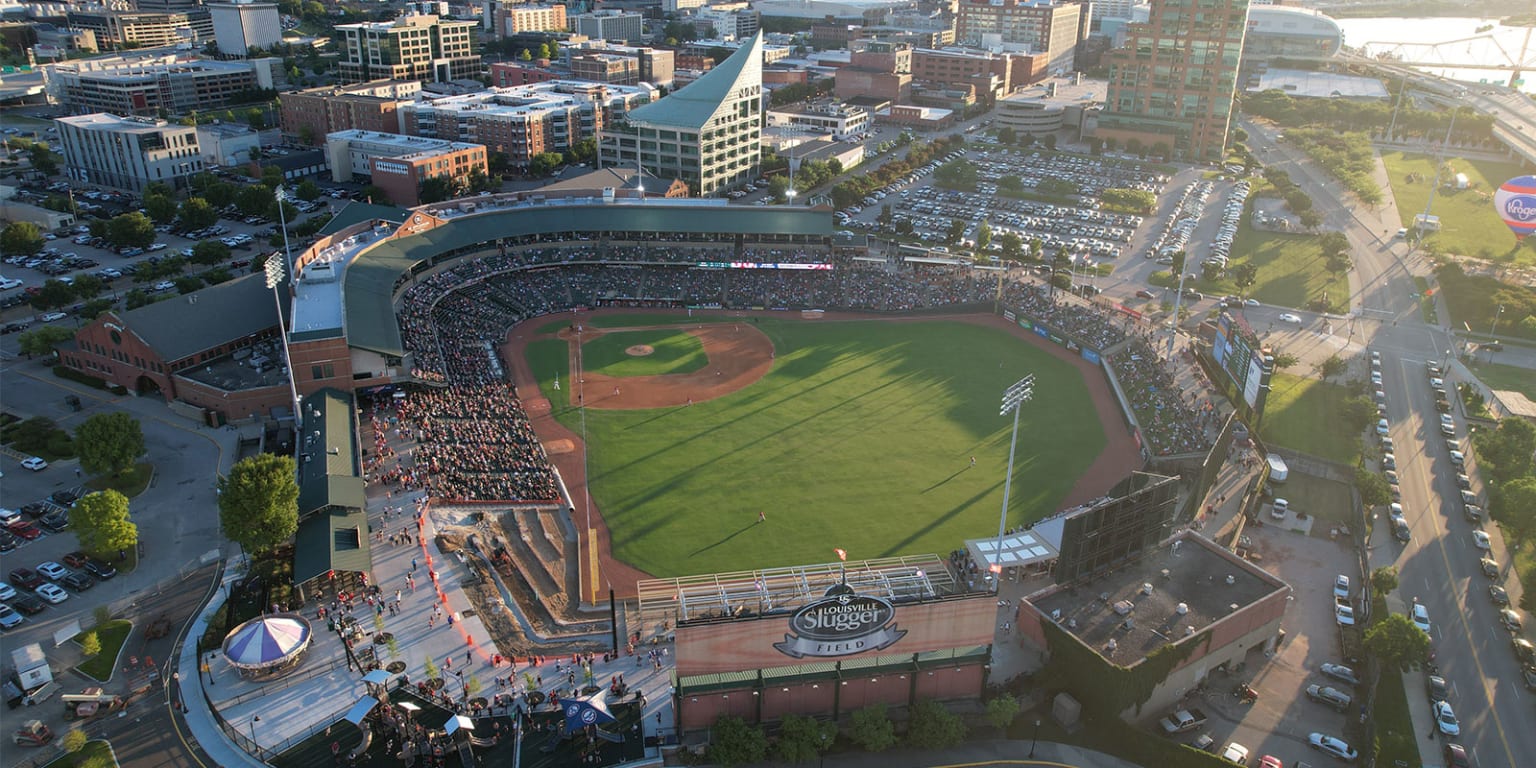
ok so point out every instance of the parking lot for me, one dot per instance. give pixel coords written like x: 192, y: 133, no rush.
x: 1279, y: 722
x: 73, y: 252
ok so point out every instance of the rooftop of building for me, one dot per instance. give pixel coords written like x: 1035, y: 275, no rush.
x: 693, y: 106
x: 182, y: 326
x: 1319, y: 85
x: 1284, y: 20
x: 102, y: 121
x: 1060, y: 90
x: 149, y: 63
x: 226, y: 130
x: 1184, y: 586
x: 236, y: 373
x: 375, y: 89
x: 330, y: 469
x: 404, y: 146
x: 411, y: 20
x: 534, y: 97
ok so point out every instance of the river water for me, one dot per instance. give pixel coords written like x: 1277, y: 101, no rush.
x: 1370, y: 33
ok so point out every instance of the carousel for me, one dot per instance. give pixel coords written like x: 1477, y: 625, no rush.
x: 268, y: 647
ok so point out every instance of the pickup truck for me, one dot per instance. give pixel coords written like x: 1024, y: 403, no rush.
x: 1182, y: 720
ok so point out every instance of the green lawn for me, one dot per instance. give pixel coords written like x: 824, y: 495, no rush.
x: 1292, y: 271
x: 1307, y: 415
x: 1396, y: 740
x: 1325, y: 500
x: 95, y: 754
x: 673, y: 352
x: 860, y: 437
x: 1496, y: 376
x: 1469, y: 225
x: 112, y: 636
x: 130, y: 483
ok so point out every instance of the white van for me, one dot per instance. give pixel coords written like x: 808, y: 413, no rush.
x: 1277, y: 469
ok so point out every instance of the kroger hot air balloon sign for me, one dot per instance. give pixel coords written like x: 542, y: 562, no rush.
x: 1516, y: 204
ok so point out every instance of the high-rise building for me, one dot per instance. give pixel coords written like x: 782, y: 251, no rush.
x: 140, y: 84
x: 240, y: 25
x: 1051, y: 27
x: 526, y: 120
x: 128, y: 152
x: 139, y: 29
x: 709, y: 133
x: 505, y: 19
x: 1171, y: 85
x: 372, y: 106
x: 621, y: 26
x: 408, y: 48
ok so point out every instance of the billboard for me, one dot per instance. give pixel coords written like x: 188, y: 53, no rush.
x: 1102, y: 535
x: 841, y: 625
x: 1237, y: 352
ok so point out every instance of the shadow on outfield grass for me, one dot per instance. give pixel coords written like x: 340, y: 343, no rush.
x: 663, y: 414
x: 744, y: 529
x: 957, y: 473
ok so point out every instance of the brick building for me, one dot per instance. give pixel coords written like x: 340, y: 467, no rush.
x: 309, y: 115
x: 400, y: 165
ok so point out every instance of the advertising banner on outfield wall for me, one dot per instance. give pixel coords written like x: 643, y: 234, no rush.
x: 1091, y: 356
x: 835, y: 628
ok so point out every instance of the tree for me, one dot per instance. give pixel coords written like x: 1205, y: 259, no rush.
x: 733, y: 742
x: 220, y: 195
x: 1210, y: 271
x: 1177, y: 268
x: 21, y: 238
x: 43, y: 159
x: 956, y: 231
x: 132, y: 229
x: 957, y: 174
x: 88, y: 286
x: 259, y: 502
x: 307, y: 190
x: 1396, y: 642
x: 161, y: 209
x: 1517, y: 506
x: 75, y: 740
x: 983, y: 236
x: 90, y: 644
x: 1285, y: 360
x: 94, y: 308
x: 255, y: 200
x: 437, y: 189
x: 209, y: 252
x: 53, y: 294
x: 544, y: 163
x: 1508, y: 449
x: 197, y: 213
x: 187, y: 284
x: 101, y: 524
x: 1374, y: 490
x: 43, y: 340
x: 871, y: 729
x: 271, y: 176
x: 1006, y: 135
x: 931, y: 726
x: 1358, y: 413
x: 256, y: 118
x: 802, y: 739
x: 1383, y: 580
x: 1002, y: 710
x: 1330, y: 368
x: 1012, y: 245
x: 1244, y: 275
x: 109, y: 442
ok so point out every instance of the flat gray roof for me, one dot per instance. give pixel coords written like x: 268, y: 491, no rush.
x: 369, y: 281
x: 1196, y: 577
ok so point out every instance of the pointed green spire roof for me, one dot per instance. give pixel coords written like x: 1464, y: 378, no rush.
x: 692, y: 106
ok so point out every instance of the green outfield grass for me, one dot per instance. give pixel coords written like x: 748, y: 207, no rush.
x: 860, y: 437
x: 673, y: 352
x: 1469, y: 224
x: 1306, y: 415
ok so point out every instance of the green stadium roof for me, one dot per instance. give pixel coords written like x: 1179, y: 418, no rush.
x: 693, y: 105
x: 330, y: 472
x: 368, y: 286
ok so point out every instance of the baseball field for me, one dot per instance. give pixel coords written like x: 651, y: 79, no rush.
x: 721, y: 444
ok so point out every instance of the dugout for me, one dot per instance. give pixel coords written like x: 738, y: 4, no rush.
x: 821, y: 640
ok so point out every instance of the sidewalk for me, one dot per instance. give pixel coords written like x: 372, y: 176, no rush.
x: 1382, y: 550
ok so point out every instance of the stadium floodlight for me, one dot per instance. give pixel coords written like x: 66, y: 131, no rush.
x: 274, y: 275
x: 1020, y: 393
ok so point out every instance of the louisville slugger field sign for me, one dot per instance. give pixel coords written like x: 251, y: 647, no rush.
x: 841, y: 624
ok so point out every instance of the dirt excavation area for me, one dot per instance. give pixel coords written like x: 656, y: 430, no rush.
x: 523, y: 559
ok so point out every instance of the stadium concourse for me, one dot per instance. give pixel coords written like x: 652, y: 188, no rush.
x: 475, y: 436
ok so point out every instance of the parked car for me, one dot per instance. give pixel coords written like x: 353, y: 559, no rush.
x: 1332, y: 745
x: 1436, y: 687
x: 1445, y: 719
x: 100, y: 570
x: 1340, y: 672
x: 52, y: 570
x: 28, y: 603
x: 52, y: 593
x: 1330, y: 696
x: 9, y: 618
x: 34, y: 463
x: 78, y: 582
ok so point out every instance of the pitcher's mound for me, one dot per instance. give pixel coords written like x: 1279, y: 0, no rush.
x: 639, y: 350
x: 559, y: 446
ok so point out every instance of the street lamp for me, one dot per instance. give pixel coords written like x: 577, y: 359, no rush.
x: 274, y: 273
x: 1034, y: 736
x: 254, y: 721
x: 1496, y: 317
x: 1020, y: 393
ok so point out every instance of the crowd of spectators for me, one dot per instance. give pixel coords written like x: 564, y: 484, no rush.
x: 476, y: 442
x: 1172, y: 422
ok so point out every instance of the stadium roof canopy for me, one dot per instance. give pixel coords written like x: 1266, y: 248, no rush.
x: 370, y: 279
x: 771, y: 590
